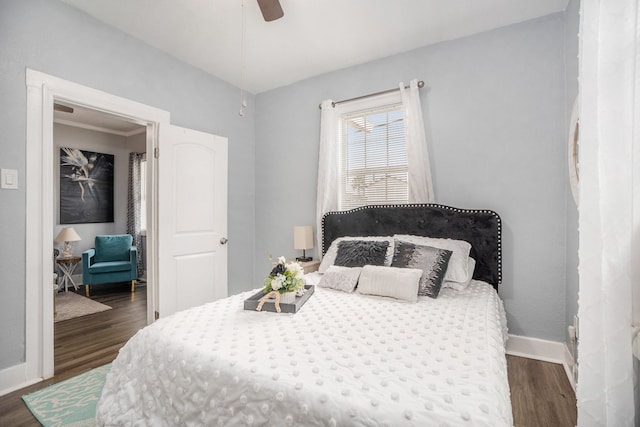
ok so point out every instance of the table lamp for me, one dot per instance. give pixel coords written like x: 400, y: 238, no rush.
x: 67, y: 235
x: 303, y: 240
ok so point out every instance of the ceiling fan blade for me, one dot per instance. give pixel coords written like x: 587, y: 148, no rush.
x: 271, y: 9
x: 63, y: 108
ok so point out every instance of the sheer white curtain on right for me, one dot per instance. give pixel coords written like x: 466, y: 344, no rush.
x: 420, y: 185
x: 609, y: 125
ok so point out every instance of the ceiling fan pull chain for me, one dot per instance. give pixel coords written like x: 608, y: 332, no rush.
x: 243, y: 101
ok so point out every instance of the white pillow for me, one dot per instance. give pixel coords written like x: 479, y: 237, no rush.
x: 458, y: 269
x: 340, y: 278
x: 329, y: 258
x: 459, y: 286
x: 400, y: 283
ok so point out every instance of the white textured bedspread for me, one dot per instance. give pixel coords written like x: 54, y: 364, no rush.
x: 342, y: 360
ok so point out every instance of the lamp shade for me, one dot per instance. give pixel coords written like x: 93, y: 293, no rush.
x: 67, y: 234
x: 303, y: 237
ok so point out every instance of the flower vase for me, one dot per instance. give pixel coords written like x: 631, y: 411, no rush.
x: 288, y: 298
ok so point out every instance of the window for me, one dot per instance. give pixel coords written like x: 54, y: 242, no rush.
x: 372, y: 150
x: 373, y: 157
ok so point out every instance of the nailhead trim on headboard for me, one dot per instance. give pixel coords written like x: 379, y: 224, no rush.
x: 496, y: 229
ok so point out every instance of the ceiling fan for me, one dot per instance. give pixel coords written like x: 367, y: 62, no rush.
x: 271, y: 9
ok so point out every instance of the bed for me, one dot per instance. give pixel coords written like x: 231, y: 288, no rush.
x: 345, y: 359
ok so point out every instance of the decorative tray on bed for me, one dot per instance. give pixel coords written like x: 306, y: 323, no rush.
x: 252, y: 302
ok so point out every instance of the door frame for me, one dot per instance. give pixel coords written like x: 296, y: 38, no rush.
x: 42, y: 90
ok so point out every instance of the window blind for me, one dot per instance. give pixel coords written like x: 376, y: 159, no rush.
x: 373, y: 149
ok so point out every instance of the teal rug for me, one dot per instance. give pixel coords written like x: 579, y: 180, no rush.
x: 69, y: 403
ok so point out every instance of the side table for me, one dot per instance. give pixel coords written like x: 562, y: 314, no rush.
x: 310, y: 266
x: 67, y: 267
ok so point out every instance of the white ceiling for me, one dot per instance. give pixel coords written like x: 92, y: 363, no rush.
x: 96, y: 120
x: 313, y: 37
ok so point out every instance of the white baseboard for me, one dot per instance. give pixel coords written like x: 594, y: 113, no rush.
x: 569, y: 364
x: 544, y: 350
x: 14, y: 378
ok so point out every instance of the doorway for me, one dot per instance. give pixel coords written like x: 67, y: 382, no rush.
x: 42, y: 91
x: 194, y: 183
x: 98, y: 188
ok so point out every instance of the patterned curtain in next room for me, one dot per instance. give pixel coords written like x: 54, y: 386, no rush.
x: 134, y: 206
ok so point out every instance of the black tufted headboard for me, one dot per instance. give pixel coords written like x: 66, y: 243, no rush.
x: 481, y: 228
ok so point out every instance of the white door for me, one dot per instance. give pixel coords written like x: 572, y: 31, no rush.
x: 192, y: 219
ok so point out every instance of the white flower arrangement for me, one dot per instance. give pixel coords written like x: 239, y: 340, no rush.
x: 285, y: 278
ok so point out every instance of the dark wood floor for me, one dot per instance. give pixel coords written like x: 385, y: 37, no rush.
x: 85, y: 343
x: 540, y: 392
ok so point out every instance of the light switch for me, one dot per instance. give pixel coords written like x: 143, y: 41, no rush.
x: 9, y: 179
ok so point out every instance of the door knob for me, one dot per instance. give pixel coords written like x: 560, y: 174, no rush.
x: 224, y: 241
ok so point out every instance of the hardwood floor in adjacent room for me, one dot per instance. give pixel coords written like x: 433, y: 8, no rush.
x: 85, y: 343
x: 90, y: 341
x: 541, y: 395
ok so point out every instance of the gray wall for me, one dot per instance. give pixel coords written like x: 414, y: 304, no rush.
x: 494, y: 107
x: 572, y: 27
x: 100, y: 142
x: 56, y: 39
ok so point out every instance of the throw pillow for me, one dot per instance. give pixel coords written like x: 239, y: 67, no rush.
x: 399, y: 283
x: 459, y: 286
x: 457, y: 271
x: 329, y: 257
x: 340, y: 278
x: 358, y: 253
x: 432, y: 261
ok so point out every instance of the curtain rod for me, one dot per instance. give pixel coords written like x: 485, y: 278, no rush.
x: 333, y: 104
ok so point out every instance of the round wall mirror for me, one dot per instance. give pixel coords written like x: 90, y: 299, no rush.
x: 574, y: 145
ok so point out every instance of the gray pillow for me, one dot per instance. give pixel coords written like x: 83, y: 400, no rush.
x: 358, y: 253
x: 341, y: 278
x: 432, y: 261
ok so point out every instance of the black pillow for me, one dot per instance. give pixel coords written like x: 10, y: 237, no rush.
x: 358, y: 253
x: 432, y: 261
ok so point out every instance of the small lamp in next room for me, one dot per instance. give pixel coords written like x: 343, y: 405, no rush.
x: 67, y: 235
x: 303, y: 240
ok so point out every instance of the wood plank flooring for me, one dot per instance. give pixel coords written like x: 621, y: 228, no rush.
x: 108, y: 330
x: 84, y: 343
x: 540, y: 392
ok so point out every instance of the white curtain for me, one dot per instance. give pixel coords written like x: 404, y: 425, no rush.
x: 420, y: 185
x: 609, y: 67
x: 328, y: 168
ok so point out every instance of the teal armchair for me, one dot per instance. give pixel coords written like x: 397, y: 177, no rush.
x: 112, y: 260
